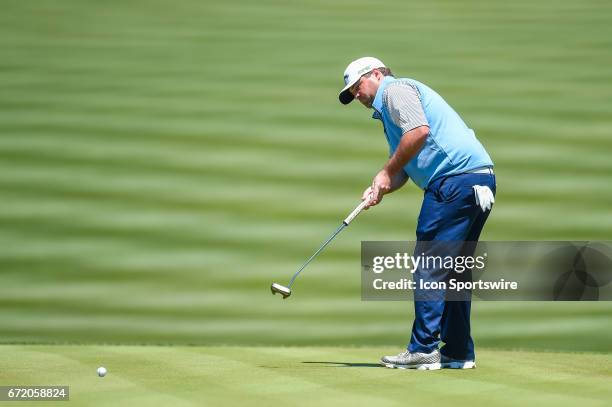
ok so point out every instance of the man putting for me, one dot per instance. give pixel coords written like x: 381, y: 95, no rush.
x: 430, y: 144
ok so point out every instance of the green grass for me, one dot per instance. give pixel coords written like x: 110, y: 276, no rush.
x: 306, y: 376
x: 161, y: 164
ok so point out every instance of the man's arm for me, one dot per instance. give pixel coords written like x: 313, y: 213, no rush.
x: 398, y: 180
x: 410, y: 144
x: 390, y: 178
x: 403, y: 103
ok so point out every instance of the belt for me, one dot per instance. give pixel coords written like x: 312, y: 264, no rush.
x: 481, y: 170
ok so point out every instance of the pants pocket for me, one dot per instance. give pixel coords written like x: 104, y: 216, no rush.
x: 449, y: 189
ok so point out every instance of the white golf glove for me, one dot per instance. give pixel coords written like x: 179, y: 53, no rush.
x: 484, y: 197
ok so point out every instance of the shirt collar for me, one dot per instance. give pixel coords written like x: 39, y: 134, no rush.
x: 378, y: 99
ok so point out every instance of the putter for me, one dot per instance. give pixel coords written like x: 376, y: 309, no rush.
x: 285, y: 291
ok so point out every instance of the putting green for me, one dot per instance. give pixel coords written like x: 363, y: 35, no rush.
x: 185, y: 376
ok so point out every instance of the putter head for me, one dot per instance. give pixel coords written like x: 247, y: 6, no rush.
x: 281, y: 289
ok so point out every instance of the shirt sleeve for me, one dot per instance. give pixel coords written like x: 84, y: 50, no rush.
x: 405, y: 108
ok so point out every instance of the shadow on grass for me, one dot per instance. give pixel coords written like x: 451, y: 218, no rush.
x: 347, y: 364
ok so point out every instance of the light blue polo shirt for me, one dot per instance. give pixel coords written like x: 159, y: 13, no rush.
x: 451, y: 147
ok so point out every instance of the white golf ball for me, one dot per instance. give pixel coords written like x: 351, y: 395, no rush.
x: 101, y: 371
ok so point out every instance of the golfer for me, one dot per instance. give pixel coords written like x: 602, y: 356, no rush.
x: 430, y: 144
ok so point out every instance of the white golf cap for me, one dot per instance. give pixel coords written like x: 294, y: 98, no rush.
x: 353, y: 72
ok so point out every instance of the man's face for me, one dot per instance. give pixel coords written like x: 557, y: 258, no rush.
x: 366, y: 87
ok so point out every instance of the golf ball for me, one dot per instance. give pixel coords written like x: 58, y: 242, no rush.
x: 101, y: 371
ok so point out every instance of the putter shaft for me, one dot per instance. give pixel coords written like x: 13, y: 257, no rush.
x: 342, y: 226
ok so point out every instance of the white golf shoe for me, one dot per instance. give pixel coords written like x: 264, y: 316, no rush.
x: 416, y: 360
x: 450, y: 363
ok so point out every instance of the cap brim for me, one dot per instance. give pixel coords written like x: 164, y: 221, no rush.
x: 346, y: 96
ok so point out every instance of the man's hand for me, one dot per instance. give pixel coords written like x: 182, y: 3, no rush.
x: 367, y: 196
x: 396, y: 183
x: 381, y: 184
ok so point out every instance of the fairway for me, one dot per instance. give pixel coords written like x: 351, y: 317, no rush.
x: 304, y: 376
x: 153, y: 186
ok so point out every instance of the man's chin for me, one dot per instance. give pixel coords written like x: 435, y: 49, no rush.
x: 367, y: 103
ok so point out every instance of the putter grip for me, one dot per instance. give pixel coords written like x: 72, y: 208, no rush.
x: 355, y: 212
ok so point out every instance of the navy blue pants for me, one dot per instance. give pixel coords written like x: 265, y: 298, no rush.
x: 449, y: 213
